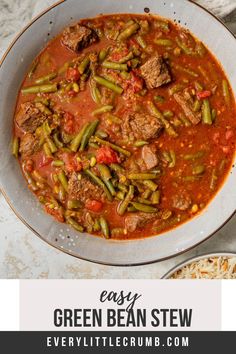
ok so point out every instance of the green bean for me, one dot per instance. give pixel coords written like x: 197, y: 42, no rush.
x: 126, y: 58
x: 173, y: 159
x: 184, y: 47
x: 110, y: 186
x: 163, y: 25
x: 57, y: 163
x: 186, y: 70
x: 197, y: 106
x: 168, y: 114
x: 104, y: 227
x: 150, y: 184
x: 103, y: 109
x: 47, y: 150
x: 122, y: 187
x: 75, y: 143
x: 200, y: 49
x: 141, y: 42
x: 176, y: 88
x: 61, y: 193
x: 155, y: 197
x: 135, y: 62
x: 154, y: 111
x: 99, y: 182
x: 166, y: 156
x: 131, y: 209
x: 52, y: 145
x: 113, y: 119
x: 30, y: 180
x: 58, y: 143
x: 101, y: 134
x: 146, y: 194
x: 93, y: 145
x: 142, y: 176
x: 46, y: 88
x: 159, y: 99
x: 46, y: 78
x: 83, y: 65
x: 191, y: 178
x: 15, y: 146
x: 213, y: 114
x: 206, y: 112
x: 95, y: 94
x: 102, y: 55
x: 113, y: 146
x: 124, y: 204
x: 143, y: 207
x: 116, y: 167
x: 164, y: 42
x: 226, y: 93
x: 125, y: 75
x: 87, y: 134
x: 185, y: 120
x: 96, y: 225
x: 120, y: 195
x: 33, y: 67
x: 63, y: 179
x: 213, y: 179
x: 73, y: 204
x: 108, y: 84
x: 198, y: 170
x: 104, y: 171
x: 128, y: 32
x: 115, y: 66
x: 198, y: 86
x: 74, y: 224
x: 194, y: 156
x: 139, y: 143
x: 144, y: 201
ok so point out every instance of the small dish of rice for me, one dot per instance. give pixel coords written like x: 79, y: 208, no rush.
x: 211, y: 266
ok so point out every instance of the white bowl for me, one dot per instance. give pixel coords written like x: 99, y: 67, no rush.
x: 12, y: 71
x: 179, y: 266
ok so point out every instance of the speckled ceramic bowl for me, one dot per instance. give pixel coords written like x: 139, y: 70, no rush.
x: 181, y: 265
x: 12, y: 71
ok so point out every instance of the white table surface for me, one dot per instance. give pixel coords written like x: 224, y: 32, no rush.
x: 24, y: 255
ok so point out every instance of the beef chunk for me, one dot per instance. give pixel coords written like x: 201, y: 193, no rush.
x: 83, y: 189
x: 138, y: 220
x: 182, y: 201
x: 30, y: 117
x: 149, y: 156
x: 155, y: 72
x: 186, y: 102
x: 141, y: 126
x: 78, y: 37
x: 28, y: 145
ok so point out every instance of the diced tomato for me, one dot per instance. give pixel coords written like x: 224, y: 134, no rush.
x: 94, y: 205
x: 203, y: 94
x: 45, y: 161
x: 106, y: 155
x: 56, y: 213
x: 229, y: 134
x: 134, y: 84
x: 69, y: 123
x: 71, y: 162
x: 72, y: 74
x: 116, y: 56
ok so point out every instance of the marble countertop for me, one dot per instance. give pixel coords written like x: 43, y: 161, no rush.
x: 24, y: 255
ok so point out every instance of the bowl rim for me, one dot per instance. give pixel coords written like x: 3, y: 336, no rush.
x: 190, y: 260
x: 2, y: 59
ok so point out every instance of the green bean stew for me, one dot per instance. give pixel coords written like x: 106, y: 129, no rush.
x: 125, y: 126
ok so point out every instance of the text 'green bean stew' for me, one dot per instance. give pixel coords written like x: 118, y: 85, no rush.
x: 125, y: 126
